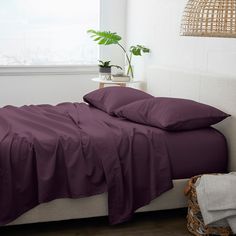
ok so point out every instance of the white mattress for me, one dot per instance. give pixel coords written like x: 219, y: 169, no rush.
x: 65, y: 209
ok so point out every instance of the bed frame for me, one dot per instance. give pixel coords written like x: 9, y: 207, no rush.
x: 219, y: 91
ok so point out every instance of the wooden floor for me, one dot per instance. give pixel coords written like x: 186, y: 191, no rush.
x: 162, y: 223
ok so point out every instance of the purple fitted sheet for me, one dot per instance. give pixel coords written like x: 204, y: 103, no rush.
x: 194, y: 152
x: 190, y: 152
x: 197, y: 152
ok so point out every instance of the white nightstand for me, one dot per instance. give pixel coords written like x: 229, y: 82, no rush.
x: 102, y: 83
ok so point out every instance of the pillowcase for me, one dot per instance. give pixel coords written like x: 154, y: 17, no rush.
x: 172, y: 114
x: 110, y: 98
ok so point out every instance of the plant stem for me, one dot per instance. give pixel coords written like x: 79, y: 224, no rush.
x: 130, y: 69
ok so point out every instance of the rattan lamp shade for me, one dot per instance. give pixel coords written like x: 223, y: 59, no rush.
x: 209, y: 18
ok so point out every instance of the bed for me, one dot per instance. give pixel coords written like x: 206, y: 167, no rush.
x: 62, y: 209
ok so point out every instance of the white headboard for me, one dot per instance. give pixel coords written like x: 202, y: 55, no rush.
x: 215, y: 90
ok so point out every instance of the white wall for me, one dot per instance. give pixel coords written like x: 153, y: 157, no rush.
x: 53, y: 89
x: 156, y: 24
x: 113, y: 18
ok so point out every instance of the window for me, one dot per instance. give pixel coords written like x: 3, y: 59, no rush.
x: 48, y: 32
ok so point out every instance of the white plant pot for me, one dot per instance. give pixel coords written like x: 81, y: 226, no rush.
x: 105, y: 76
x: 105, y: 73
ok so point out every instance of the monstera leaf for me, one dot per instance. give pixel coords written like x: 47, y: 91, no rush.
x: 104, y: 37
x: 138, y: 50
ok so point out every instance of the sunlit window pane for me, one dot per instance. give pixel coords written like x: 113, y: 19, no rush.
x: 48, y: 32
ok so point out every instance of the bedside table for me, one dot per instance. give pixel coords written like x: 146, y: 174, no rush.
x: 102, y: 83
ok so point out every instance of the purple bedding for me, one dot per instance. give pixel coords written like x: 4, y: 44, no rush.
x: 197, y: 152
x: 73, y: 150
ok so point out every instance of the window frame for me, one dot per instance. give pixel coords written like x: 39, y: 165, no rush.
x: 31, y: 70
x: 108, y: 8
x: 48, y: 70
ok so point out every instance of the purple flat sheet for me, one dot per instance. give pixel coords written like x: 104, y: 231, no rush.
x: 73, y: 150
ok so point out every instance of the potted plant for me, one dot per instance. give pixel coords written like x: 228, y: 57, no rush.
x: 105, y: 69
x: 109, y: 38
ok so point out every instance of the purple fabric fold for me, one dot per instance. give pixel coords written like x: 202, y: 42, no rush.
x: 72, y: 150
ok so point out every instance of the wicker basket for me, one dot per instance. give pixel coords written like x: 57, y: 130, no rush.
x: 195, y: 222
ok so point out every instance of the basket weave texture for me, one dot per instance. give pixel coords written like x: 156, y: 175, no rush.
x: 195, y: 222
x: 209, y: 18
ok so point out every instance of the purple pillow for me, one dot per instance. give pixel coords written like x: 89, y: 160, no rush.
x: 173, y: 114
x: 110, y: 98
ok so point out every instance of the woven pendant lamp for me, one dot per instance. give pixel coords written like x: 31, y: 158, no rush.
x: 209, y: 18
